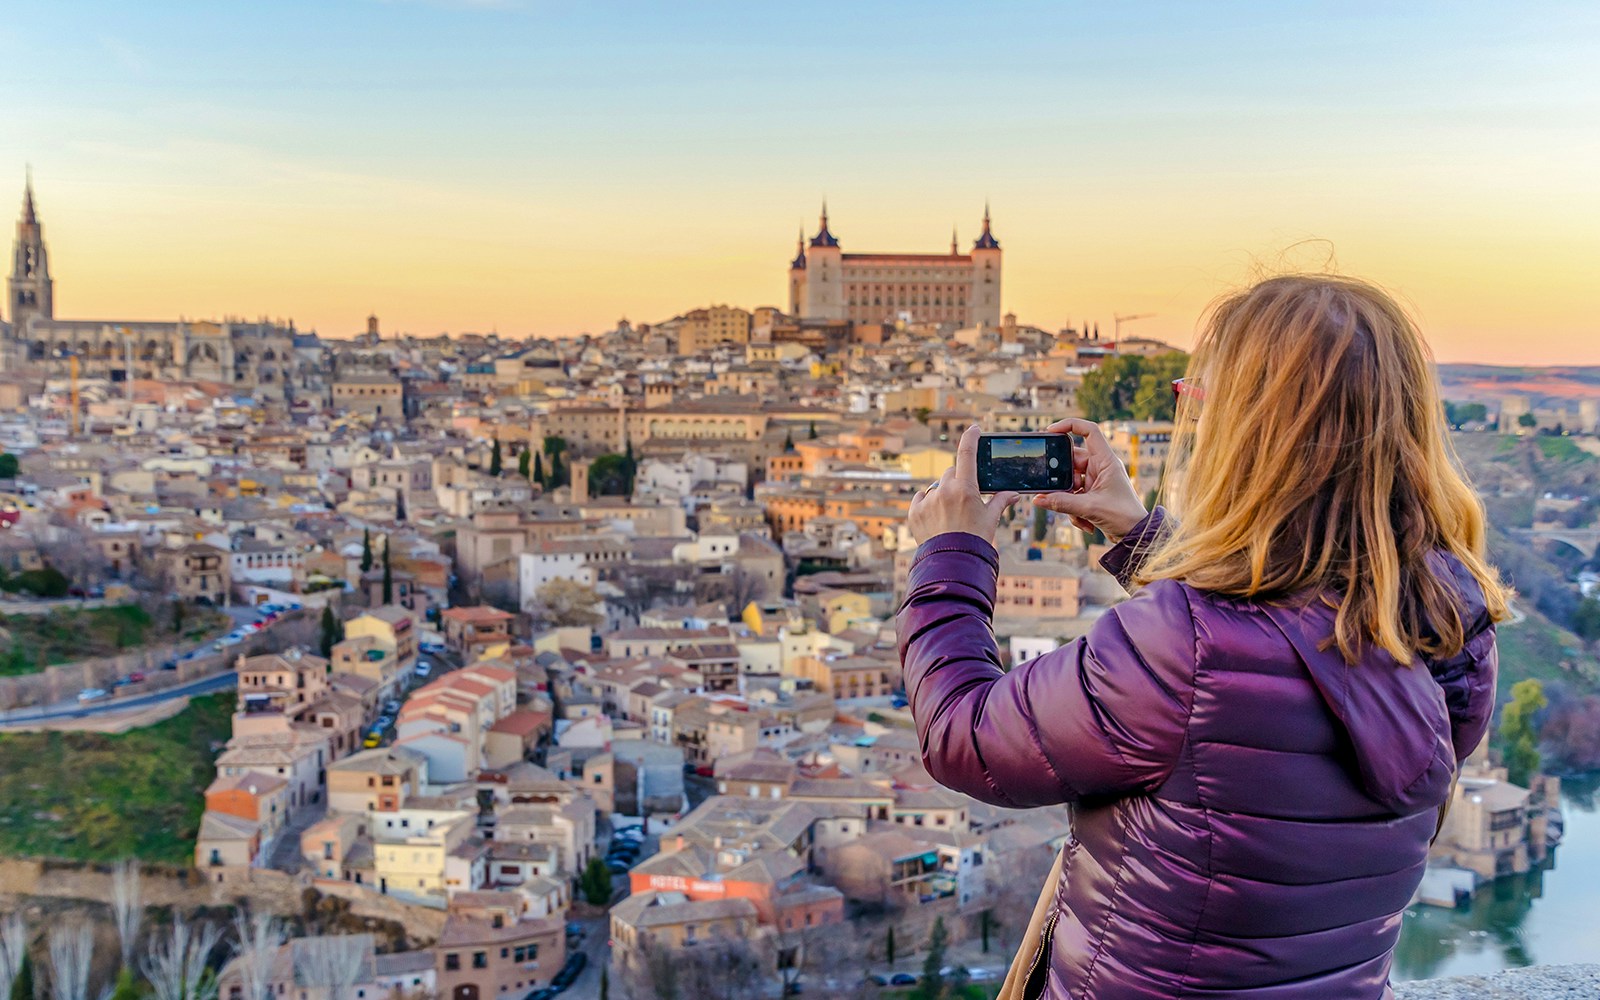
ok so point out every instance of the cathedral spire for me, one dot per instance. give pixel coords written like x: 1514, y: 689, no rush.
x: 799, y: 262
x: 953, y: 250
x: 29, y: 215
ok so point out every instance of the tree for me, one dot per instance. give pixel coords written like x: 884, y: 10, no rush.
x: 605, y: 982
x: 332, y: 961
x: 9, y: 466
x: 633, y: 468
x: 538, y: 469
x: 595, y: 882
x: 1460, y: 414
x: 564, y: 602
x: 494, y: 459
x: 366, y: 550
x: 258, y: 936
x: 813, y: 434
x: 1132, y: 387
x: 332, y: 631
x: 1586, y: 620
x: 177, y: 617
x: 608, y: 476
x: 399, y: 505
x: 127, y: 909
x: 888, y: 945
x: 388, y: 575
x: 176, y: 962
x: 1519, y: 732
x: 71, y: 950
x: 554, y: 445
x: 23, y: 986
x: 1527, y: 420
x: 922, y: 413
x: 46, y: 582
x: 788, y: 442
x: 558, y: 471
x: 1041, y: 523
x: 524, y: 463
x: 14, y: 958
x: 127, y: 987
x: 933, y: 962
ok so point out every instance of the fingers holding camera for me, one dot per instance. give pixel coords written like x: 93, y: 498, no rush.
x: 953, y: 503
x: 1104, y: 497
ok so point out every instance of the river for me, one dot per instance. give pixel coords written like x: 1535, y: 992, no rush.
x: 1546, y: 917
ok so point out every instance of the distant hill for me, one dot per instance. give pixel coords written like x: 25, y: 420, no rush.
x: 1547, y: 386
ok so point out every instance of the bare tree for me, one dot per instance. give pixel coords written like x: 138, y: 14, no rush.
x: 334, y: 962
x: 260, y: 935
x: 127, y: 907
x: 743, y: 586
x: 13, y: 946
x: 721, y: 968
x: 71, y: 949
x: 175, y: 963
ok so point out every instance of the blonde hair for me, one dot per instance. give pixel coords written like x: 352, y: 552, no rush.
x: 1313, y: 462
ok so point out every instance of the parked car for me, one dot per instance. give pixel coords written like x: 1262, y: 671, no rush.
x: 616, y: 867
x: 902, y: 979
x: 574, y: 929
x: 878, y: 979
x: 546, y: 993
x: 391, y: 708
x: 635, y: 833
x: 92, y: 694
x: 571, y: 971
x: 424, y: 668
x: 171, y: 664
x: 372, y: 740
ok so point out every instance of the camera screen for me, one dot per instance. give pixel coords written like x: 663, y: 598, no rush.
x: 1020, y: 460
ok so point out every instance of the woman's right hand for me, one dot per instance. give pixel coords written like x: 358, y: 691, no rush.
x: 1104, y: 497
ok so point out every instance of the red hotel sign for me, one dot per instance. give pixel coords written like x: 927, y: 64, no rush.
x: 693, y: 888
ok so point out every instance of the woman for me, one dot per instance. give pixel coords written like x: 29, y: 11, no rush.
x: 1260, y: 742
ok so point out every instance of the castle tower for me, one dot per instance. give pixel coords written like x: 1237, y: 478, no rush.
x: 824, y: 281
x: 31, y: 290
x: 984, y: 300
x: 797, y: 276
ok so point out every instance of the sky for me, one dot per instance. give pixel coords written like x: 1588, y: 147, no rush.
x: 546, y: 168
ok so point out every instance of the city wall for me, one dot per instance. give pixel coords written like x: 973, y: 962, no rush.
x: 189, y: 889
x: 63, y: 682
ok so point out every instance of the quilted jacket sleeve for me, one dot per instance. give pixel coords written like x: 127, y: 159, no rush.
x: 1468, y: 680
x: 1104, y: 715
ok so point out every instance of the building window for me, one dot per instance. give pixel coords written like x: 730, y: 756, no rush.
x: 480, y: 960
x: 452, y: 962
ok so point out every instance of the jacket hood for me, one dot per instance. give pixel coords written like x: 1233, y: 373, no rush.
x: 1395, y: 716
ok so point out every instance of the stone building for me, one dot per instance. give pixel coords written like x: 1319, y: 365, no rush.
x: 257, y: 356
x: 955, y: 289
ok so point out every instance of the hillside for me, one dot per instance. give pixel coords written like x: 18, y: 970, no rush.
x: 99, y: 797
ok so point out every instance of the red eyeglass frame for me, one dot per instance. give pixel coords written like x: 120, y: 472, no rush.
x: 1187, y: 387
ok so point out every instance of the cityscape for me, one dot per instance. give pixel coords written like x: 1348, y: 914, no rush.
x: 365, y: 658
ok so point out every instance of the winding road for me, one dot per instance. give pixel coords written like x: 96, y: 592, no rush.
x: 78, y: 710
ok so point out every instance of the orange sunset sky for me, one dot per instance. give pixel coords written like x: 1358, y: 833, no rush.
x: 545, y: 169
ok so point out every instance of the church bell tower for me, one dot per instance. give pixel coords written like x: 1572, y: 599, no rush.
x: 31, y: 290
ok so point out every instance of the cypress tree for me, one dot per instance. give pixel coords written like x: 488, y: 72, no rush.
x: 494, y: 459
x: 331, y: 631
x: 538, y: 469
x: 366, y: 549
x: 788, y: 442
x: 813, y: 430
x: 388, y: 575
x: 558, y: 471
x: 522, y: 462
x: 22, y: 987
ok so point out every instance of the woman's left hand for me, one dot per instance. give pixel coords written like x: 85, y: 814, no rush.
x: 954, y: 503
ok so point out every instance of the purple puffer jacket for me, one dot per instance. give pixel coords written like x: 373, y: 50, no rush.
x: 1252, y: 815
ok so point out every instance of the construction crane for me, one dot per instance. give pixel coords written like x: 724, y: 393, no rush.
x: 1117, y: 322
